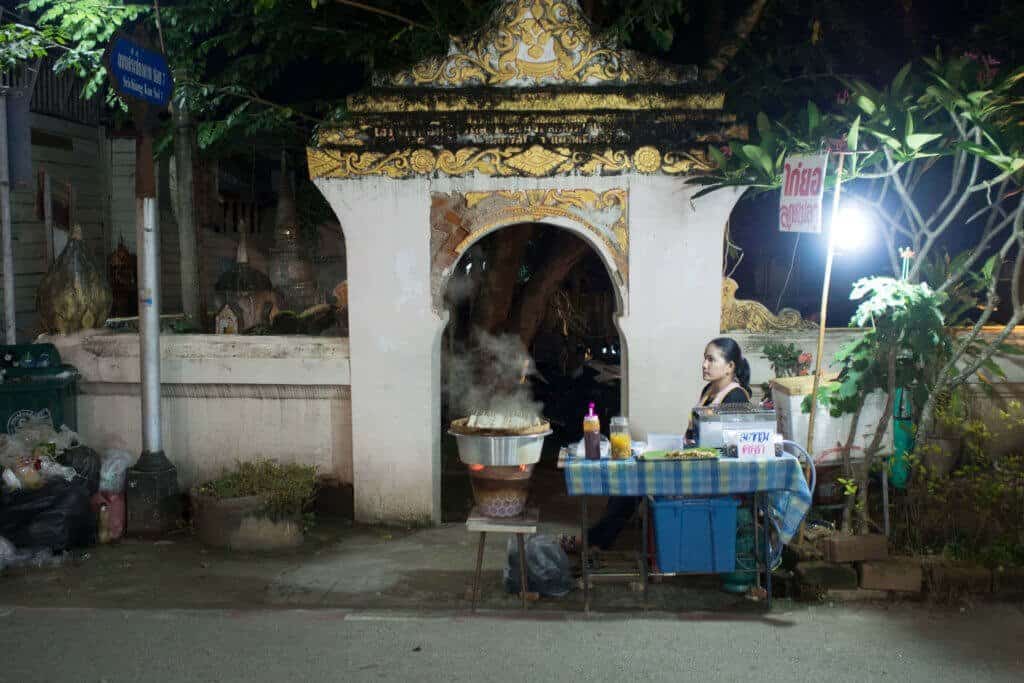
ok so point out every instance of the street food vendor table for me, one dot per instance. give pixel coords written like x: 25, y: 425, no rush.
x: 777, y: 485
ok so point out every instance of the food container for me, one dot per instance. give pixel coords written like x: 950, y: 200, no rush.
x: 619, y: 437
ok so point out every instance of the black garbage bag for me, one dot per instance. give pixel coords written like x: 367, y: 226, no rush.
x: 86, y: 463
x: 547, y: 567
x: 56, y: 516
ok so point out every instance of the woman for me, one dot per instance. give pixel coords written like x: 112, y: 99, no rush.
x: 727, y: 374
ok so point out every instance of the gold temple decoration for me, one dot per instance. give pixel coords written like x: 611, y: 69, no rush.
x: 393, y: 102
x: 534, y: 161
x: 604, y: 214
x: 752, y: 316
x: 530, y: 43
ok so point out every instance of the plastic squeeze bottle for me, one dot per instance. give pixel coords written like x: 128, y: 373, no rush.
x: 592, y: 435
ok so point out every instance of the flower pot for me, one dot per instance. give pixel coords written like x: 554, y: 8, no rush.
x: 242, y: 524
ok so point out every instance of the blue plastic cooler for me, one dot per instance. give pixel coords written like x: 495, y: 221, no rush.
x: 695, y: 535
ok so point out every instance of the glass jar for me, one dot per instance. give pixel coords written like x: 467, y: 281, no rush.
x: 618, y: 435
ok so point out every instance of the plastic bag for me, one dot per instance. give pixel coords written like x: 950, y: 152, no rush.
x: 110, y: 509
x: 57, y: 516
x: 49, y: 468
x: 547, y: 567
x: 114, y: 469
x: 86, y: 462
x: 38, y: 429
x: 8, y: 553
x: 13, y: 451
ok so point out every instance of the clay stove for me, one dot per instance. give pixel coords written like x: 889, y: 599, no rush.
x: 500, y: 452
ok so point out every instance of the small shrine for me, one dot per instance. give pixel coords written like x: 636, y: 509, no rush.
x: 291, y: 269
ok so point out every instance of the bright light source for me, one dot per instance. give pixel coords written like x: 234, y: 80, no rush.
x: 853, y: 228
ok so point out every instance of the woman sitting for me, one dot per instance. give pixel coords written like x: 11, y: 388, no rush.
x: 727, y: 374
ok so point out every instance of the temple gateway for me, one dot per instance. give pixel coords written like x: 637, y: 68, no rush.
x: 532, y: 119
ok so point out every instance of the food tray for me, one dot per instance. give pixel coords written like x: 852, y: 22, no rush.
x: 684, y: 455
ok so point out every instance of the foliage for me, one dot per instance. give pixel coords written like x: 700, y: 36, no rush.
x: 277, y: 69
x: 287, y: 490
x: 977, y: 512
x: 787, y: 360
x: 903, y: 320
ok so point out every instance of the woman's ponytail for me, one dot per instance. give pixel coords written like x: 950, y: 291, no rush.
x: 743, y: 374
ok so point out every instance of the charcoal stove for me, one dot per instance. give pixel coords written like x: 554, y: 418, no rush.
x: 500, y: 462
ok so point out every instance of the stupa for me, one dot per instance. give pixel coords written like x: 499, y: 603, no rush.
x: 291, y: 269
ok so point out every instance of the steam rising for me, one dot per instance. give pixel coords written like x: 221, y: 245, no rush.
x: 486, y: 378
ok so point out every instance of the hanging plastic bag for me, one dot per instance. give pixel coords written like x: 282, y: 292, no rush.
x: 114, y: 469
x: 547, y: 567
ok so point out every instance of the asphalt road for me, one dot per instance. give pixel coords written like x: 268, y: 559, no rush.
x: 903, y: 643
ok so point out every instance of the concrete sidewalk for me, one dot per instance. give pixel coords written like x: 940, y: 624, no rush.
x: 339, y: 566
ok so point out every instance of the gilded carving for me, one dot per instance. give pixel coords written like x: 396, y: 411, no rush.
x: 531, y: 43
x: 605, y: 214
x: 395, y: 102
x: 752, y: 316
x: 535, y: 161
x: 647, y: 160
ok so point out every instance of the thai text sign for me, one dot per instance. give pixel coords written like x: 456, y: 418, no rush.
x: 755, y: 445
x: 802, y: 191
x: 139, y: 73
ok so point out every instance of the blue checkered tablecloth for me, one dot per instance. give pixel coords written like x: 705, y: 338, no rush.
x: 780, y: 478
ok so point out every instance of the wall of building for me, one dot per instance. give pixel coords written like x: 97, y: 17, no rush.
x: 225, y: 398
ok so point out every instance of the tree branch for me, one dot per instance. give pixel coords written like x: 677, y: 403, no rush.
x: 744, y: 26
x: 382, y: 12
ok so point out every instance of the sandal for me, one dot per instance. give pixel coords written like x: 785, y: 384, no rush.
x: 570, y: 544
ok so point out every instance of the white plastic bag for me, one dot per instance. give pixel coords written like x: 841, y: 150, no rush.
x: 113, y: 470
x: 38, y: 429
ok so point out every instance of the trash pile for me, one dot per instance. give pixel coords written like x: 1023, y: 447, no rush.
x: 56, y: 493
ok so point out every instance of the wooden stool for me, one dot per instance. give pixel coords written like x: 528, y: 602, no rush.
x: 522, y: 525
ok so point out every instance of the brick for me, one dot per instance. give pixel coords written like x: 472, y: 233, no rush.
x: 891, y: 575
x: 826, y: 576
x: 946, y: 578
x: 1008, y: 581
x: 866, y: 548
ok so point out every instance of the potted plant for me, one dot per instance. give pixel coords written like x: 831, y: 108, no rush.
x: 260, y: 505
x: 787, y: 360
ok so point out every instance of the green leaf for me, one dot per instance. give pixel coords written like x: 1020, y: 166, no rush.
x: 919, y: 140
x: 717, y: 156
x: 759, y: 156
x: 866, y: 105
x: 1010, y: 349
x: 887, y: 139
x: 813, y: 118
x: 853, y: 136
x: 901, y: 76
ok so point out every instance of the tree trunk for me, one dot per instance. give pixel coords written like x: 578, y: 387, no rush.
x: 566, y: 252
x: 504, y: 258
x: 184, y: 135
x: 744, y: 26
x: 876, y: 442
x: 848, y: 469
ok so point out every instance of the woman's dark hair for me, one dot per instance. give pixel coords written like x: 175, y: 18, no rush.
x: 732, y: 353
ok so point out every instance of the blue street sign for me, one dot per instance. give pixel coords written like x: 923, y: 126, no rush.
x: 140, y: 73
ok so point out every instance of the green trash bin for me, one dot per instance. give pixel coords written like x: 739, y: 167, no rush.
x: 35, y: 380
